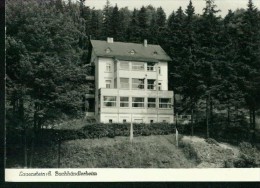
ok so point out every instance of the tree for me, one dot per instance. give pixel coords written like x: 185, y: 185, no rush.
x: 158, y: 27
x: 95, y: 24
x: 115, y: 23
x: 210, y: 26
x: 133, y: 29
x: 248, y: 48
x: 125, y: 19
x: 143, y: 23
x: 46, y: 77
x: 107, y: 12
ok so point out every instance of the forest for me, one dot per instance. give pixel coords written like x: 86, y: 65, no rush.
x: 215, y: 60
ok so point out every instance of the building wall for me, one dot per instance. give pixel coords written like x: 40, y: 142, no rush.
x: 163, y: 77
x: 136, y: 118
x: 104, y: 75
x: 95, y: 60
x: 117, y: 114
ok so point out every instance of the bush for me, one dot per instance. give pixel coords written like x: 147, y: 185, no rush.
x: 211, y: 141
x: 189, y: 151
x: 229, y: 163
x: 99, y: 130
x: 249, y: 156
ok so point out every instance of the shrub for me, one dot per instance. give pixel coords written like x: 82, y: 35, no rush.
x: 99, y: 130
x: 211, y: 141
x: 229, y: 163
x: 249, y: 156
x: 189, y: 151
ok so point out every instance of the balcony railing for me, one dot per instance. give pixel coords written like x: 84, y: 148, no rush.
x: 137, y: 67
x: 124, y: 85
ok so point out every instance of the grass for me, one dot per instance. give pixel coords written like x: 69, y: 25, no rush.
x: 156, y: 151
x: 145, y: 152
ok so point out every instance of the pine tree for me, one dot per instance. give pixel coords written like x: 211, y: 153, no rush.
x: 142, y: 23
x: 115, y: 24
x: 46, y: 80
x: 249, y: 45
x: 209, y: 34
x: 107, y: 11
x: 95, y: 24
x: 133, y: 29
x: 125, y: 19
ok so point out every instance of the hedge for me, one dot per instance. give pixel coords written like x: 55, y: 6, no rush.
x: 99, y: 130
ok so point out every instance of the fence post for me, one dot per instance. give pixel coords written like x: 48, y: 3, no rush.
x: 176, y: 135
x: 59, y: 153
x: 131, y: 132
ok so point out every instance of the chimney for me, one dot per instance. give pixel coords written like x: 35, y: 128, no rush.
x: 145, y: 42
x: 110, y: 40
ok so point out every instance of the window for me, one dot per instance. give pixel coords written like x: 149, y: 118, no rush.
x: 124, y: 101
x: 137, y: 66
x: 165, y: 120
x: 108, y: 83
x: 124, y: 83
x: 115, y: 66
x: 124, y: 120
x: 137, y: 83
x: 132, y: 52
x: 150, y: 84
x: 151, y: 102
x: 108, y: 50
x: 138, y: 102
x: 110, y: 121
x: 108, y: 67
x: 124, y: 65
x: 159, y: 70
x: 150, y: 67
x: 115, y: 82
x: 165, y: 103
x: 109, y: 101
x: 159, y: 86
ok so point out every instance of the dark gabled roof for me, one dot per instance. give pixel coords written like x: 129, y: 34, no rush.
x: 122, y: 51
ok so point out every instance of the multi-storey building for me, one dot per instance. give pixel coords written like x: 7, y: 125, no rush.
x: 131, y: 82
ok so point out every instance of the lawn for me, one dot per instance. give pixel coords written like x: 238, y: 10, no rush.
x: 145, y: 152
x: 156, y: 151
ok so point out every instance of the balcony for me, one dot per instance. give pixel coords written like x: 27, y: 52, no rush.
x: 140, y: 92
x: 147, y: 107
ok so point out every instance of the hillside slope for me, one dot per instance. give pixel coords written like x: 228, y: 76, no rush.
x: 118, y: 152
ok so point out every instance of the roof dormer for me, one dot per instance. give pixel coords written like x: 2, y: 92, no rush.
x: 108, y: 50
x: 132, y: 52
x: 155, y: 53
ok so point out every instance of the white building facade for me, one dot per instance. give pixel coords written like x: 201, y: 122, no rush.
x: 131, y: 83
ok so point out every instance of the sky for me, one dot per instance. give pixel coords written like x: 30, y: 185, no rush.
x: 170, y: 5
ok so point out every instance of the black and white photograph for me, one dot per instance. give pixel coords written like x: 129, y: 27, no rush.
x: 131, y: 85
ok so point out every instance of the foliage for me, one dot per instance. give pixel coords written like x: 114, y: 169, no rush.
x: 215, y: 64
x: 249, y: 156
x: 99, y: 130
x: 144, y: 152
x: 211, y: 141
